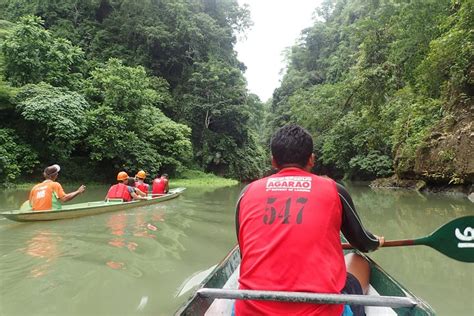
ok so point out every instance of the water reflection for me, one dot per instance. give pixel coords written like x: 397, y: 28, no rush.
x: 43, y: 245
x: 124, y: 228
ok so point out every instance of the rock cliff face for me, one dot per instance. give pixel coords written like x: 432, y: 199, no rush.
x: 447, y: 156
x: 445, y: 160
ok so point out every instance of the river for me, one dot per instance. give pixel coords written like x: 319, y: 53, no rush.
x: 138, y: 262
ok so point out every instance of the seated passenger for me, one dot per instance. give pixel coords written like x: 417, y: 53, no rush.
x: 122, y: 190
x: 48, y: 194
x: 160, y: 184
x: 288, y: 229
x: 139, y: 193
x: 140, y: 183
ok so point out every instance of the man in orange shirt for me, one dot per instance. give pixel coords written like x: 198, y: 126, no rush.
x: 49, y: 194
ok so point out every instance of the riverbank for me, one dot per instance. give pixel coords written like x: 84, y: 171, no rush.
x: 394, y: 182
x: 188, y: 179
x: 195, y: 178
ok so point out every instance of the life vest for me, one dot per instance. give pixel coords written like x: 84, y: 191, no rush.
x: 142, y: 186
x: 159, y: 186
x: 288, y: 232
x: 119, y: 191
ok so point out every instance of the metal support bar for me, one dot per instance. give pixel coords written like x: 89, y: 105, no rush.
x: 304, y: 297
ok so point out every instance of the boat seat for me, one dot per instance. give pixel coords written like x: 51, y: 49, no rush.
x: 221, y: 306
x: 377, y: 310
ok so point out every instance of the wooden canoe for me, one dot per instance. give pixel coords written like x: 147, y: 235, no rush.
x: 225, y: 276
x: 87, y: 208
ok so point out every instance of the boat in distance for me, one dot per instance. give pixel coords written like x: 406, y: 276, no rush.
x: 25, y: 214
x: 386, y: 296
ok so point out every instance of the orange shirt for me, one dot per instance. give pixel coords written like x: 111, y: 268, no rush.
x: 45, y: 195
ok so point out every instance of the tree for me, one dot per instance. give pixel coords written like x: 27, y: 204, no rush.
x: 126, y: 128
x: 16, y: 157
x: 215, y: 102
x: 32, y: 54
x: 126, y: 89
x: 54, y: 117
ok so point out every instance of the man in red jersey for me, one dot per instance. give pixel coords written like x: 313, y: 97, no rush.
x: 288, y: 228
x: 124, y: 190
x: 140, y: 183
x: 160, y: 184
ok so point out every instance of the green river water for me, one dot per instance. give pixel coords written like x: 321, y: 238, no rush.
x: 138, y: 262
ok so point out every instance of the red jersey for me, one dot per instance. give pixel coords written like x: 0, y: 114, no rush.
x: 288, y: 231
x: 159, y: 186
x: 119, y: 191
x: 142, y: 186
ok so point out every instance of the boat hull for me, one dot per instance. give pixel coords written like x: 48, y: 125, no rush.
x: 85, y: 209
x: 381, y: 283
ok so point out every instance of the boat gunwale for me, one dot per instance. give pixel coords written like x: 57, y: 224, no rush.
x: 197, y: 305
x: 104, y: 207
x: 202, y: 302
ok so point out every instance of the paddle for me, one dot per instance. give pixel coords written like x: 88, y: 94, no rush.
x: 454, y: 239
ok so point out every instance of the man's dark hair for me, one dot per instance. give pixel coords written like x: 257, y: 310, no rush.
x: 291, y: 144
x: 131, y: 181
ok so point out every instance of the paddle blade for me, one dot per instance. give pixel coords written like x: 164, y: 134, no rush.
x: 25, y: 206
x: 454, y: 239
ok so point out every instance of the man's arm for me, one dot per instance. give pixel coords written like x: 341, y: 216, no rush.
x: 134, y: 194
x: 352, y: 227
x: 140, y: 192
x: 70, y: 196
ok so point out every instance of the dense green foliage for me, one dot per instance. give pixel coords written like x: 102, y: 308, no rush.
x: 33, y: 55
x: 99, y: 86
x: 376, y: 76
x: 15, y: 157
x: 55, y: 118
x: 201, y: 180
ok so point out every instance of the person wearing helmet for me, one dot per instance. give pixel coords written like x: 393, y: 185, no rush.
x: 140, y: 183
x: 122, y: 190
x: 133, y: 185
x: 49, y: 194
x: 160, y: 184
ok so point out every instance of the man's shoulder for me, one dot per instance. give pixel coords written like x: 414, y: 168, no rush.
x: 258, y: 181
x: 37, y: 185
x: 324, y: 178
x: 250, y: 185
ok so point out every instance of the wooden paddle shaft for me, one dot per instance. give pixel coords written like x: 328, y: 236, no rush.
x: 390, y: 243
x: 303, y: 297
